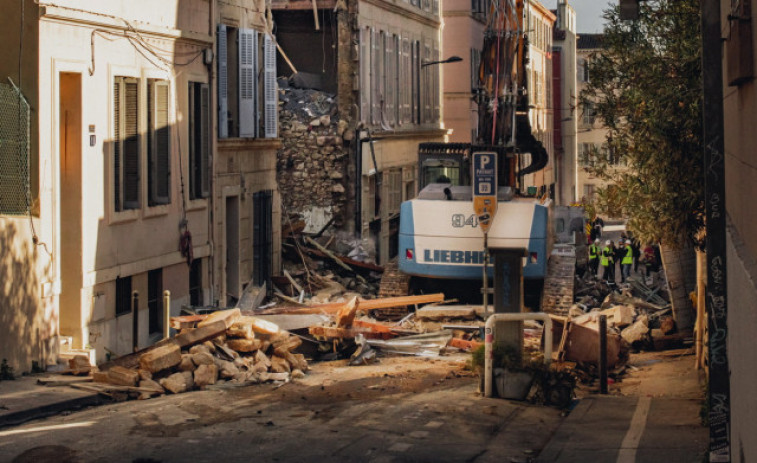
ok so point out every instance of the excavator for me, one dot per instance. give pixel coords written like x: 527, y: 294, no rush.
x: 440, y: 238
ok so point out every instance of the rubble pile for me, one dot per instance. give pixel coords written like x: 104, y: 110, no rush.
x: 312, y: 162
x: 223, y: 347
x: 639, y: 317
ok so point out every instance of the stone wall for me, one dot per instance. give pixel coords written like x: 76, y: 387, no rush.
x: 312, y: 162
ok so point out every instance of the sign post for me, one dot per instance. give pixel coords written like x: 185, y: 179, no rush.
x: 484, y: 166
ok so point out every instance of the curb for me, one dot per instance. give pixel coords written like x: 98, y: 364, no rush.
x: 22, y: 416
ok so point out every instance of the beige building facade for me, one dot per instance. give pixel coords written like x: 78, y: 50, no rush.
x: 538, y: 23
x: 740, y: 115
x: 121, y: 183
x: 564, y: 100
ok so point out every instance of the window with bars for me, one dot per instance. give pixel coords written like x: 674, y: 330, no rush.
x: 247, y: 88
x: 126, y: 146
x: 199, y: 140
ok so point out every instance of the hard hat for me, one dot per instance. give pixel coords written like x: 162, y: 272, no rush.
x: 596, y: 241
x: 628, y: 241
x: 607, y: 243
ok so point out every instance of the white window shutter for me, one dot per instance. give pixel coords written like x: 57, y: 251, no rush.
x: 160, y: 161
x: 365, y: 74
x: 117, y: 148
x: 375, y: 73
x: 223, y: 83
x: 247, y: 78
x: 270, y: 91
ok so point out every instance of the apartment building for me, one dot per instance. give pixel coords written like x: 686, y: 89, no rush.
x: 379, y: 58
x: 118, y: 168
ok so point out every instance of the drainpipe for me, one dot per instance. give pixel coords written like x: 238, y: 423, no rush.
x: 489, y: 340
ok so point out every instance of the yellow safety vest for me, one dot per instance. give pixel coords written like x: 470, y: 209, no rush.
x: 628, y: 258
x: 606, y: 258
x: 593, y: 251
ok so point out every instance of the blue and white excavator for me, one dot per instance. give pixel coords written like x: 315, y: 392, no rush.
x: 441, y: 245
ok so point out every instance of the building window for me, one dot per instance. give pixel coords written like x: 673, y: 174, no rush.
x: 158, y: 143
x: 155, y: 300
x: 475, y: 63
x: 247, y: 95
x: 195, y: 283
x: 123, y: 295
x: 199, y: 140
x: 589, y: 113
x: 589, y: 192
x: 393, y: 180
x: 126, y: 150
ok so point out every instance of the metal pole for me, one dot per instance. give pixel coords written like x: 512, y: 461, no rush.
x: 603, y: 354
x: 135, y: 319
x: 486, y: 274
x: 715, y: 224
x: 166, y: 314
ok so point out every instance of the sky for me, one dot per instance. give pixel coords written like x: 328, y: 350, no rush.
x: 588, y: 13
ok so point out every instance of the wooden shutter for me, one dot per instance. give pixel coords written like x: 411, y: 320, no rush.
x: 223, y: 82
x: 160, y: 145
x: 131, y: 144
x: 406, y: 84
x: 270, y: 89
x: 365, y: 74
x: 117, y: 150
x: 205, y: 158
x: 248, y: 46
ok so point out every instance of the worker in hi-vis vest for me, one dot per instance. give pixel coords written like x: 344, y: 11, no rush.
x: 607, y: 261
x: 626, y: 262
x: 594, y: 252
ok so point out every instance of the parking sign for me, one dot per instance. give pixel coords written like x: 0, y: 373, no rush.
x: 484, y: 166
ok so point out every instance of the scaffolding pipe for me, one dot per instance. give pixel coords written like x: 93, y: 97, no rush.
x: 489, y: 340
x: 166, y: 314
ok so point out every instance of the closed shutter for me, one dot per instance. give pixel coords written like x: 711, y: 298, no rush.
x: 427, y: 85
x: 365, y: 74
x: 406, y: 84
x: 270, y: 92
x: 375, y: 75
x: 223, y: 83
x: 435, y: 77
x: 117, y: 151
x: 131, y: 144
x: 160, y: 149
x: 205, y: 158
x: 248, y: 46
x: 388, y: 79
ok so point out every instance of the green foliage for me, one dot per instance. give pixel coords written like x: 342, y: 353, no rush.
x: 505, y: 357
x: 646, y: 88
x: 6, y: 371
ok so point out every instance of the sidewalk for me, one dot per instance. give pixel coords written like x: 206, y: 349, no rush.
x: 23, y: 399
x: 655, y: 419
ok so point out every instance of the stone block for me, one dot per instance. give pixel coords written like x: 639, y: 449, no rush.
x: 162, y: 358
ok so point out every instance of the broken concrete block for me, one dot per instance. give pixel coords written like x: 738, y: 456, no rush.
x: 443, y: 313
x: 100, y: 376
x: 261, y: 358
x: 325, y: 120
x: 189, y: 378
x: 202, y: 358
x: 144, y: 374
x: 205, y: 375
x: 226, y: 369
x: 227, y: 316
x: 636, y: 332
x: 79, y: 365
x: 279, y: 365
x: 274, y: 376
x: 620, y: 315
x: 242, y: 362
x: 286, y: 342
x: 582, y: 345
x: 200, y: 334
x: 186, y: 363
x: 161, y: 358
x: 241, y: 329
x: 121, y: 376
x: 150, y: 384
x: 244, y: 345
x: 176, y: 383
x: 297, y: 374
x: 200, y: 348
x: 210, y: 346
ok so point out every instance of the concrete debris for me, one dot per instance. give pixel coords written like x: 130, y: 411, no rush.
x: 232, y: 356
x: 637, y: 332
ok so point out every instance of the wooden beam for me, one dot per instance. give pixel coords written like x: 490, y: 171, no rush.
x: 364, y: 304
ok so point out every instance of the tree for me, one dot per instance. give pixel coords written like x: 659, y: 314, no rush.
x: 646, y: 88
